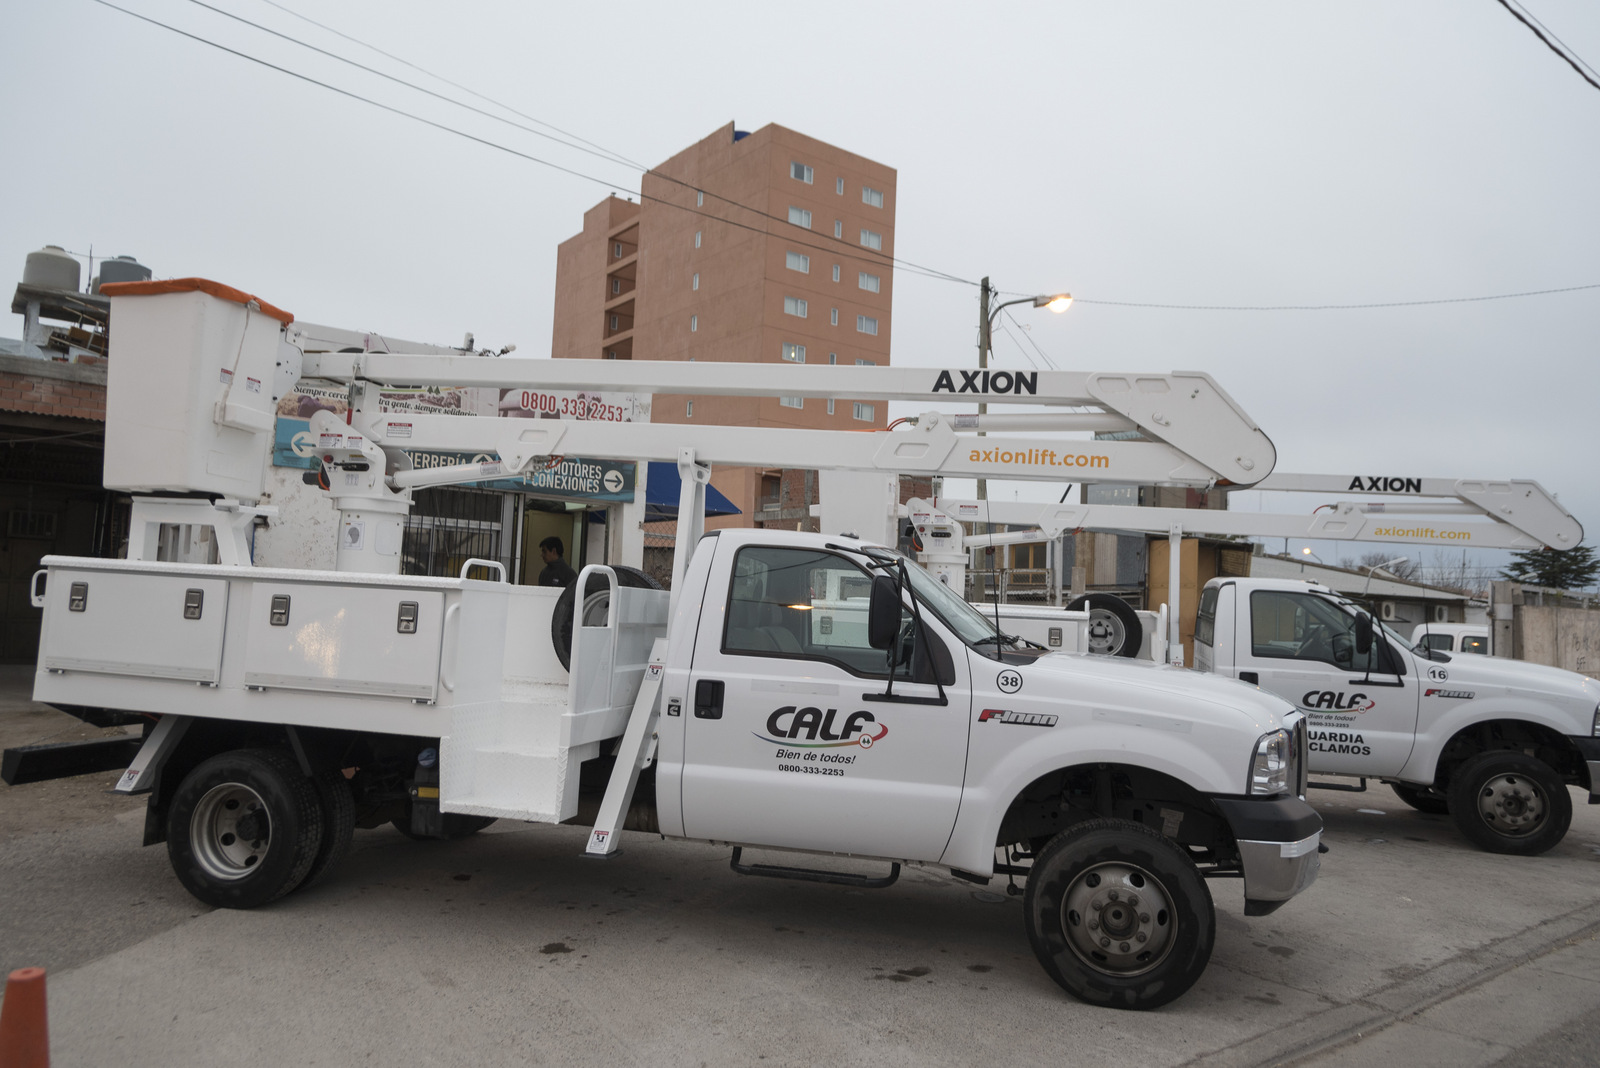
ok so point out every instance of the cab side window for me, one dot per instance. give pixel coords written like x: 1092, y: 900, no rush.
x: 1474, y: 643
x: 1300, y: 626
x: 803, y: 604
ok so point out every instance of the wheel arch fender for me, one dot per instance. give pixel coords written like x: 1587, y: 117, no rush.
x: 984, y: 804
x: 1466, y: 731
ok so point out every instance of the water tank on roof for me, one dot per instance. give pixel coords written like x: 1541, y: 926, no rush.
x: 121, y: 269
x: 51, y: 268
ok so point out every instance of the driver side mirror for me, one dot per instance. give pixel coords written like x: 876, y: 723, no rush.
x: 1363, y: 634
x: 883, y: 612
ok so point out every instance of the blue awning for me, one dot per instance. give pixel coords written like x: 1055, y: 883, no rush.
x: 661, y: 495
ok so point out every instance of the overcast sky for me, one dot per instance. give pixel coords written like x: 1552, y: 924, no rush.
x: 1177, y: 153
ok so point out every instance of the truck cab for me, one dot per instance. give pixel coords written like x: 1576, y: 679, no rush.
x: 1494, y: 742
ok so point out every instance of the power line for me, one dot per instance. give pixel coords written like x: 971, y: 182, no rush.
x: 592, y: 149
x: 849, y: 252
x: 1535, y: 19
x: 1520, y: 17
x: 1325, y: 307
x: 1029, y: 335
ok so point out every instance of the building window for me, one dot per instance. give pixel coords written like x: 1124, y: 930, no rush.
x: 866, y: 363
x: 871, y: 240
x: 800, y: 217
x: 697, y: 239
x: 794, y: 306
x: 794, y: 353
x: 866, y: 324
x: 833, y: 358
x: 836, y: 272
x: 838, y: 228
x: 611, y: 354
x: 839, y: 186
x: 699, y: 198
x: 800, y: 172
x: 613, y: 320
x: 833, y: 317
x: 695, y: 284
x: 688, y: 410
x: 791, y: 402
x: 797, y: 261
x: 830, y: 405
x: 694, y: 323
x: 864, y: 412
x: 616, y: 249
x: 616, y: 285
x: 871, y: 196
x: 869, y: 282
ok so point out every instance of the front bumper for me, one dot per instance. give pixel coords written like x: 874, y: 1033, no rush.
x: 1589, y: 750
x: 1279, y: 841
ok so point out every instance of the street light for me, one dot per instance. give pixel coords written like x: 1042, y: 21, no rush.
x: 1384, y: 567
x: 1307, y: 552
x: 1056, y: 302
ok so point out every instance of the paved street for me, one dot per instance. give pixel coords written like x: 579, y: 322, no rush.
x: 508, y: 948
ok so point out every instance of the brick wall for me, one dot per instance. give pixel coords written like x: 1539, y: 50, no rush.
x: 44, y: 387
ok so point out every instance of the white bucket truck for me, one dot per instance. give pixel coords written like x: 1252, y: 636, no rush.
x: 283, y: 707
x: 1492, y: 741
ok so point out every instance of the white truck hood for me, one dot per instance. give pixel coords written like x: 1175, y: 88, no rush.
x: 1514, y: 677
x: 1175, y: 691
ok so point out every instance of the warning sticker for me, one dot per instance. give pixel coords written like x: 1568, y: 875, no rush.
x: 252, y: 385
x: 399, y: 430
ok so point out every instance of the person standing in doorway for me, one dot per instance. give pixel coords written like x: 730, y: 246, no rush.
x: 557, y: 572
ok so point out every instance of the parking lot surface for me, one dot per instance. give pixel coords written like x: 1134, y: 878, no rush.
x: 509, y: 948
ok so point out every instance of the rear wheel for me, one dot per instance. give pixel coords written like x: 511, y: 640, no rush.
x: 338, y: 825
x: 595, y: 603
x: 1421, y: 798
x: 1114, y: 627
x: 1118, y: 915
x: 244, y: 828
x: 1508, y: 802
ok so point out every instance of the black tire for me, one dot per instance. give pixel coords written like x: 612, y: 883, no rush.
x: 1421, y: 798
x: 244, y: 828
x: 1114, y: 627
x: 1107, y: 868
x: 338, y: 807
x: 456, y: 825
x: 598, y: 596
x: 1508, y: 802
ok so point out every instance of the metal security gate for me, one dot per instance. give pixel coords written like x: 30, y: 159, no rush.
x: 449, y: 526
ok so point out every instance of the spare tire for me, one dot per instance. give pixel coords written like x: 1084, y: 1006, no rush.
x: 595, y: 603
x: 1114, y: 628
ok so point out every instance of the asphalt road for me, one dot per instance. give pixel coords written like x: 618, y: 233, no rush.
x: 509, y: 948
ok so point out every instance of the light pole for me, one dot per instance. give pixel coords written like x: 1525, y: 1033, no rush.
x: 1307, y: 552
x: 1056, y: 302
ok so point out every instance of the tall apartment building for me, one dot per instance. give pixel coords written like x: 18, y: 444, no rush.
x: 765, y: 247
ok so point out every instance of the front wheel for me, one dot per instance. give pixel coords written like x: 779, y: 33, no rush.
x: 1118, y: 915
x: 244, y: 828
x: 1508, y: 802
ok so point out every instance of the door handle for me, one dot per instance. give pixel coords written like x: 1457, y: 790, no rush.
x: 708, y: 699
x: 1251, y: 677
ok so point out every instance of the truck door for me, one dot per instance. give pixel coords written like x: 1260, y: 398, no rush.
x: 1362, y: 707
x: 784, y: 744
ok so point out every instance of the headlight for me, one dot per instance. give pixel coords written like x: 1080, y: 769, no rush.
x: 1595, y: 729
x: 1269, y: 771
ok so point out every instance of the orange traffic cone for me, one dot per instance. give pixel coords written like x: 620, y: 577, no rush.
x: 24, y: 1030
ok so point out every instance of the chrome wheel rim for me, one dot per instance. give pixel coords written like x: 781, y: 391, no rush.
x: 230, y: 831
x: 1512, y: 804
x: 1118, y: 919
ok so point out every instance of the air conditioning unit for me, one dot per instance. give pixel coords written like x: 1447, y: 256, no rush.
x: 1386, y: 611
x: 1440, y: 613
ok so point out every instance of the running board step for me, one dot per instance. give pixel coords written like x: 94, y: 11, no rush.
x: 1346, y: 787
x: 812, y: 875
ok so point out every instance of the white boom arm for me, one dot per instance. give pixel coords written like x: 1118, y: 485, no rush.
x: 1522, y: 514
